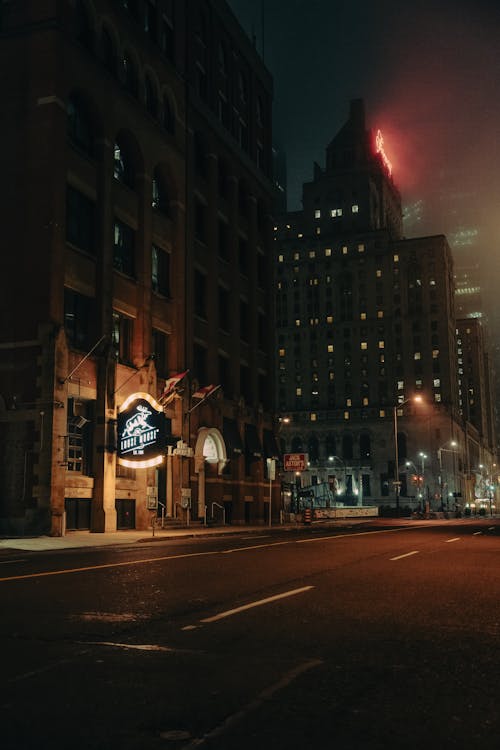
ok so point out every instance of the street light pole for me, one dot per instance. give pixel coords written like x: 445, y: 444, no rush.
x: 397, y: 483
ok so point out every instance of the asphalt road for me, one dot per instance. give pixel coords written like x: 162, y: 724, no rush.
x: 352, y: 638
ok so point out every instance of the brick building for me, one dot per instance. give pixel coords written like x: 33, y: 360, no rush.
x: 136, y: 246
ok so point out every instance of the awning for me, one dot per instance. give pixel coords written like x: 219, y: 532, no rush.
x: 253, y: 447
x: 232, y: 439
x: 271, y: 448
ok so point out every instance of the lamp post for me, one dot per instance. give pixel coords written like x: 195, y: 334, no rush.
x: 454, y: 444
x: 397, y: 483
x: 423, y: 456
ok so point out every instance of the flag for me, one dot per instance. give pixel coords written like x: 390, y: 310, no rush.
x: 206, y: 391
x: 171, y: 387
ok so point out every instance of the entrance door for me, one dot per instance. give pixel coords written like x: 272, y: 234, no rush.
x: 77, y: 513
x: 125, y: 514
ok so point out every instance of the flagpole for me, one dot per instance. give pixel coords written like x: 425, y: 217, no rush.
x: 202, y: 401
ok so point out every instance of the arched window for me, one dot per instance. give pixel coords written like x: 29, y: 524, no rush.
x: 80, y: 128
x: 313, y: 448
x: 108, y: 51
x: 159, y: 197
x: 130, y: 75
x: 123, y: 167
x: 150, y: 97
x: 330, y: 445
x: 347, y: 447
x: 364, y: 446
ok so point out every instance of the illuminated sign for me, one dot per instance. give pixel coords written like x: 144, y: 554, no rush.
x: 295, y: 461
x: 141, y: 432
x: 379, y: 147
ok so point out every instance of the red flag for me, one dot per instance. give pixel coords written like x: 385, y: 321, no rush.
x: 205, y: 391
x: 171, y: 386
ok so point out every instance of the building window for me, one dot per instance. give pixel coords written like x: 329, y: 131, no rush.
x: 381, y: 344
x: 335, y: 212
x: 160, y: 271
x: 123, y: 258
x: 244, y: 321
x: 150, y: 97
x: 160, y: 351
x: 159, y: 196
x: 130, y: 76
x: 224, y: 311
x: 345, y: 249
x: 364, y: 345
x: 317, y: 214
x: 355, y: 208
x: 78, y: 319
x: 80, y: 220
x: 361, y: 248
x: 80, y: 130
x: 122, y: 337
x: 200, y: 294
x: 123, y: 169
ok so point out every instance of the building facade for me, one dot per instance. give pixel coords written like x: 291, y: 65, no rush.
x: 366, y: 322
x: 137, y: 241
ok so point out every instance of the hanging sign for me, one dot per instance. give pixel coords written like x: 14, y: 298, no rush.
x: 141, y: 432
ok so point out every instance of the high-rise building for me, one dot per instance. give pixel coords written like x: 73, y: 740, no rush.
x: 366, y: 322
x: 136, y: 266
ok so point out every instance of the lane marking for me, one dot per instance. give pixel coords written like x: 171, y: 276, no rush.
x: 477, y: 533
x: 253, y: 705
x: 259, y: 603
x: 252, y: 546
x: 142, y: 647
x: 407, y: 554
x: 455, y: 539
x: 164, y: 558
x: 8, y: 562
x: 106, y: 565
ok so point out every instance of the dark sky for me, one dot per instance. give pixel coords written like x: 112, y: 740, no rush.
x: 430, y: 77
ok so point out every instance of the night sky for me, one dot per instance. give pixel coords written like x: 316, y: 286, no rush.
x: 430, y: 77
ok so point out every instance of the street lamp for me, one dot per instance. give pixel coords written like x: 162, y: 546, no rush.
x: 453, y: 444
x: 397, y: 483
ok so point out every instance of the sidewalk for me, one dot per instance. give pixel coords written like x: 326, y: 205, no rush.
x: 78, y: 539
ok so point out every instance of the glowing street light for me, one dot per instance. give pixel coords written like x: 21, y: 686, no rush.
x: 397, y: 483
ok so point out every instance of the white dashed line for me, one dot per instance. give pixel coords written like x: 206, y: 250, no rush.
x: 259, y: 603
x: 407, y: 554
x: 455, y: 539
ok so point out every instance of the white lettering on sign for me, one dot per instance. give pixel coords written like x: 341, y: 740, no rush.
x: 295, y: 461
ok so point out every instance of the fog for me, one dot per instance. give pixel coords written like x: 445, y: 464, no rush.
x: 429, y: 75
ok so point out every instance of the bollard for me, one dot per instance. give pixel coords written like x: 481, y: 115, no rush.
x: 307, y: 515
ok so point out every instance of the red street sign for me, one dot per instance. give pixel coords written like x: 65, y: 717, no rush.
x: 295, y: 461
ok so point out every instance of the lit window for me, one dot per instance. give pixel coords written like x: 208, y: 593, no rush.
x: 317, y: 214
x: 313, y: 416
x: 365, y: 401
x: 437, y: 382
x: 288, y: 226
x: 330, y: 348
x: 275, y: 229
x: 348, y: 402
x: 381, y: 344
x: 361, y: 248
x: 281, y: 258
x: 298, y: 391
x: 296, y: 256
x: 346, y: 415
x: 355, y: 208
x: 381, y: 358
x: 432, y: 282
x: 378, y: 273
x: 297, y: 322
x: 437, y: 397
x: 329, y: 318
x: 401, y: 385
x: 344, y: 250
x: 282, y: 352
x: 335, y: 212
x: 300, y: 235
x: 435, y: 353
x: 364, y: 345
x: 312, y: 253
x: 381, y: 413
x: 380, y: 313
x: 396, y: 258
x: 362, y: 316
x: 331, y: 375
x: 328, y: 251
x: 417, y: 355
x: 318, y: 230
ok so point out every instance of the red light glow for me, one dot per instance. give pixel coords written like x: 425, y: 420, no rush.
x: 379, y: 147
